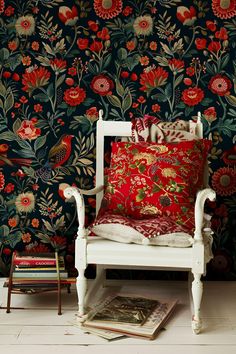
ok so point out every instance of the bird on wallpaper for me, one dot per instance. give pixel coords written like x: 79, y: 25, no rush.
x: 5, y: 160
x: 60, y: 152
x: 57, y: 156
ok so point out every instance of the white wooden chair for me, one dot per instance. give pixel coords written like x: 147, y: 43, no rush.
x: 107, y: 254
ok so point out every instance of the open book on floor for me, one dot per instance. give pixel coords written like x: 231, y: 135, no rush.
x: 130, y: 315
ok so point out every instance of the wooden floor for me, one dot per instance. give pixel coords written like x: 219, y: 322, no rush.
x: 34, y: 327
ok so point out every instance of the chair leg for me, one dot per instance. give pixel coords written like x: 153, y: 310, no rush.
x: 81, y: 286
x: 197, y: 290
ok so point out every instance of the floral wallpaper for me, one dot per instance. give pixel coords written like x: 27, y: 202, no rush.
x: 61, y: 61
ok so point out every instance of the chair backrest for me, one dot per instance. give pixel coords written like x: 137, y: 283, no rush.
x: 123, y: 129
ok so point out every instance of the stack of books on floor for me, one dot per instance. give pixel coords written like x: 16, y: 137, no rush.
x: 128, y: 315
x: 39, y: 271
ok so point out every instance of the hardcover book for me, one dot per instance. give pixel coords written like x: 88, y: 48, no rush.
x: 147, y: 329
x: 126, y: 309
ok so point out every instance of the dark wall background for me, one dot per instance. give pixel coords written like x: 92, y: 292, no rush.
x: 61, y: 61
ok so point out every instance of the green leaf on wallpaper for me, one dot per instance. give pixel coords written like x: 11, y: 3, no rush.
x: 114, y: 100
x: 127, y: 102
x: 16, y: 125
x: 88, y: 101
x: 9, y: 101
x: 1, y: 103
x: 48, y: 225
x: 41, y: 97
x: 43, y: 237
x: 93, y: 68
x: 206, y: 101
x: 25, y: 153
x: 14, y: 61
x: 3, y: 89
x: 8, y: 136
x: 60, y: 222
x: 132, y: 61
x: 29, y: 171
x: 231, y: 100
x: 188, y: 110
x: 106, y: 61
x: 119, y: 88
x: 178, y: 80
x: 14, y: 238
x: 224, y: 61
x: 50, y: 90
x: 39, y: 142
x: 159, y: 97
x: 4, y: 231
x: 4, y: 55
x: 122, y: 53
x: 60, y: 80
x: 70, y: 111
x: 168, y: 90
x: 210, y: 69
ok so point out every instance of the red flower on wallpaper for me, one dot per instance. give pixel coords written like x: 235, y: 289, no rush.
x: 68, y: 16
x: 107, y: 9
x: 210, y: 114
x: 176, y: 65
x: 37, y: 248
x: 2, y: 181
x: 222, y: 34
x: 192, y: 96
x: 25, y: 202
x: 92, y: 114
x: 34, y: 79
x: 96, y: 46
x: 82, y: 43
x: 214, y: 46
x: 74, y: 96
x: 2, y: 6
x: 220, y: 85
x: 102, y: 85
x: 229, y: 156
x: 103, y: 34
x: 186, y: 16
x: 58, y: 65
x: 9, y: 11
x: 143, y: 25
x: 200, y: 43
x: 153, y: 78
x: 25, y: 25
x: 28, y: 130
x: 224, y: 8
x: 211, y: 25
x: 224, y: 181
x: 93, y: 26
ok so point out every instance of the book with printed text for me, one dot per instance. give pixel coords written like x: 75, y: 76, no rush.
x: 149, y: 329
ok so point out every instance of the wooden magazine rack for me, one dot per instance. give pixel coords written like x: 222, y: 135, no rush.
x: 28, y: 287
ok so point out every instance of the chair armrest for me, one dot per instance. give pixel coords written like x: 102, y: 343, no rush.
x: 79, y: 201
x: 95, y: 190
x: 202, y: 196
x: 80, y: 206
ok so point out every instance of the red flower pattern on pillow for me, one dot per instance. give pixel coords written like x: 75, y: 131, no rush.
x: 150, y: 179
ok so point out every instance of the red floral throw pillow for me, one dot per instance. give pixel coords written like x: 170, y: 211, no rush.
x: 150, y: 179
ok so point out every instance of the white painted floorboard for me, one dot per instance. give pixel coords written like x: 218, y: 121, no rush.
x: 34, y: 327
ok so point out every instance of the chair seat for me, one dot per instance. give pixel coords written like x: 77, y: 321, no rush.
x: 107, y: 252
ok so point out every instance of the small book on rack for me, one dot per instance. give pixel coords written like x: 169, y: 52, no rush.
x: 130, y: 315
x: 25, y: 260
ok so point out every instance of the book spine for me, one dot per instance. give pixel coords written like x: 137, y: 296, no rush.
x: 37, y: 269
x: 38, y: 275
x: 21, y: 272
x: 34, y: 262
